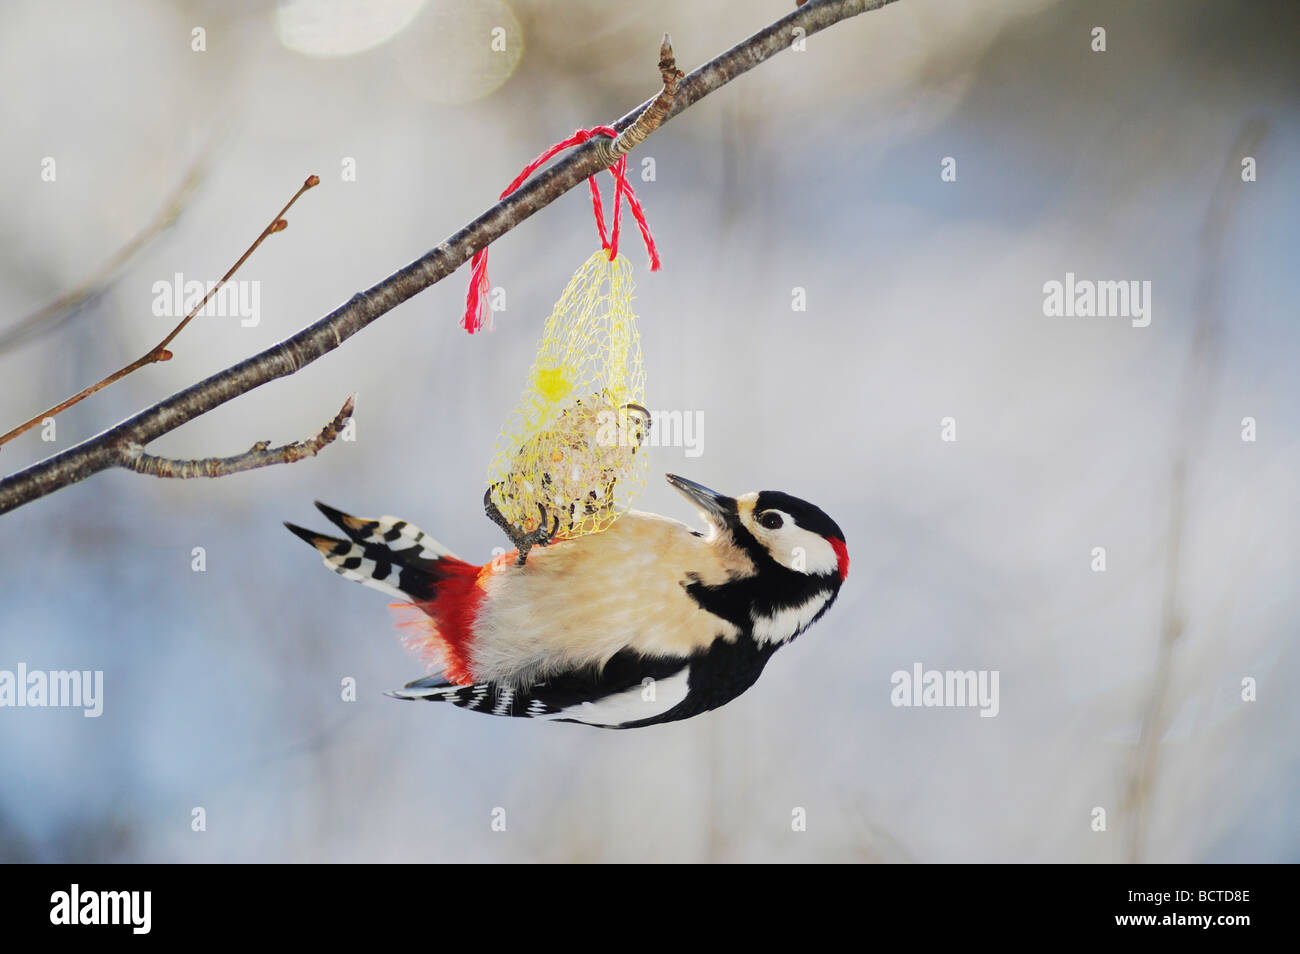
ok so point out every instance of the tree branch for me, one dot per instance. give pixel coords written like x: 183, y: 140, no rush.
x: 159, y: 351
x: 652, y: 116
x: 105, y: 449
x: 63, y: 308
x: 261, y: 454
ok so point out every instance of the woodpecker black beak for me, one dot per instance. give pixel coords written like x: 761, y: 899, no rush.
x: 712, y: 503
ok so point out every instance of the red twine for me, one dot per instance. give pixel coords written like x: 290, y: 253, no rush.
x: 478, y: 311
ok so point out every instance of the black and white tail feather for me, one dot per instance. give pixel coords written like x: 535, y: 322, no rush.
x: 387, y: 554
x: 613, y: 697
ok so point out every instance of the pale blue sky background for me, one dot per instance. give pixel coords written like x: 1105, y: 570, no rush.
x: 819, y: 170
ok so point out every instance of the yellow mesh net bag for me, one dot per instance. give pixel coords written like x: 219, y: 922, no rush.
x: 572, y: 448
x: 573, y: 445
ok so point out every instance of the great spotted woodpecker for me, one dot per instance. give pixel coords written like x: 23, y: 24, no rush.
x: 648, y: 621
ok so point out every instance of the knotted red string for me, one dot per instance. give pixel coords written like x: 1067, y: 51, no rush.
x: 478, y: 311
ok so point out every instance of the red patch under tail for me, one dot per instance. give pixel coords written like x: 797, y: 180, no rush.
x: 442, y: 631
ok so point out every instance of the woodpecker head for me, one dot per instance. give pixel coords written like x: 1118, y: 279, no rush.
x: 797, y: 553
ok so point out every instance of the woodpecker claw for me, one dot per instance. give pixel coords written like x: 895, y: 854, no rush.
x: 523, y: 541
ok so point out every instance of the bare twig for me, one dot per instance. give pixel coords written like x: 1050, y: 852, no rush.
x: 51, y: 316
x: 653, y: 115
x: 261, y: 454
x: 1199, y: 381
x: 159, y: 351
x: 102, y: 451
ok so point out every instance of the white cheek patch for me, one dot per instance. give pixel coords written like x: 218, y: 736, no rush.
x: 630, y: 705
x: 788, y: 622
x: 804, y: 551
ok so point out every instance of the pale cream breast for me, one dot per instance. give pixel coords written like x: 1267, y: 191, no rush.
x: 581, y: 601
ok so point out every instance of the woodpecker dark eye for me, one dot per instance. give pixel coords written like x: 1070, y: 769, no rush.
x: 770, y: 519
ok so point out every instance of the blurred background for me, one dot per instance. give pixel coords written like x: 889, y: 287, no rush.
x: 820, y: 171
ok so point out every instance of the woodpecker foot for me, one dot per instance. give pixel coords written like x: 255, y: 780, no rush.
x: 540, y: 537
x: 523, y: 542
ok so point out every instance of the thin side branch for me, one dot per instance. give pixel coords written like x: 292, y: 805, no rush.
x: 1198, y: 388
x: 653, y: 115
x: 318, y: 339
x: 51, y: 316
x: 159, y: 351
x: 261, y: 454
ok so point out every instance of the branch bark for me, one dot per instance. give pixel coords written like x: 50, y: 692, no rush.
x: 652, y: 116
x: 106, y: 449
x: 261, y: 454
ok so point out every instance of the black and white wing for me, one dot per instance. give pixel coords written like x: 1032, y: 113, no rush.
x: 630, y: 690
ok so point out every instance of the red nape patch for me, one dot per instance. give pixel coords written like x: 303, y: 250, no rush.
x: 442, y: 629
x: 842, y: 555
